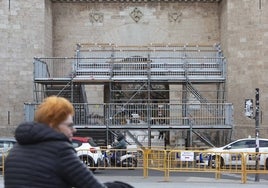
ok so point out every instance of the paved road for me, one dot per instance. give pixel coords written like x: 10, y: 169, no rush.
x: 184, y: 180
x: 190, y: 182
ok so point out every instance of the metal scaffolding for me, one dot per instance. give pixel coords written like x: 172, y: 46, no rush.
x: 154, y: 87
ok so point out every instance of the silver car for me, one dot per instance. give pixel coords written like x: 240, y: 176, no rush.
x: 5, y: 145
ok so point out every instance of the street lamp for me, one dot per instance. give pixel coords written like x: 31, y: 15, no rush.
x: 249, y: 113
x: 257, y: 126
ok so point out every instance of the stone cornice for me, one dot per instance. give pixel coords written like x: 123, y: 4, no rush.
x: 134, y: 1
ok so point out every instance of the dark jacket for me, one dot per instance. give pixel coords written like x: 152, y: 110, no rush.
x: 45, y: 158
x: 121, y: 142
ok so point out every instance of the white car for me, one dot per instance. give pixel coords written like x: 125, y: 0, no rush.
x: 231, y: 154
x: 88, y: 152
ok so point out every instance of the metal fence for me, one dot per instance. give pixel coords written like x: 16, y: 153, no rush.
x: 107, y: 62
x: 3, y: 155
x: 206, y: 68
x: 188, y: 161
x: 59, y: 68
x: 177, y: 160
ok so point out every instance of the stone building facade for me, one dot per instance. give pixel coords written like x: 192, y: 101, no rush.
x: 52, y: 28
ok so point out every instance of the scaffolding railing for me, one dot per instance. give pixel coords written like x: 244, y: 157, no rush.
x: 202, y: 69
x: 153, y: 68
x: 144, y: 115
x: 53, y: 68
x: 128, y: 63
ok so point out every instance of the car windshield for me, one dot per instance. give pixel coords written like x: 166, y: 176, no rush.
x: 263, y: 143
x: 243, y: 144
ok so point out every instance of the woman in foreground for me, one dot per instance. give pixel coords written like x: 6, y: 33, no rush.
x: 44, y: 156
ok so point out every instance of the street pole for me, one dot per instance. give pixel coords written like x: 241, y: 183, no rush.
x: 257, y: 125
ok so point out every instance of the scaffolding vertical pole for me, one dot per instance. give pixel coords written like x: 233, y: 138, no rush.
x: 108, y: 106
x: 149, y: 105
x: 257, y: 125
x: 184, y: 112
x: 107, y: 112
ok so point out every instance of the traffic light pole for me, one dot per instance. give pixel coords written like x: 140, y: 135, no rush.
x: 257, y: 126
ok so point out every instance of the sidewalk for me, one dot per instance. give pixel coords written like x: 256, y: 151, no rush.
x: 175, y: 182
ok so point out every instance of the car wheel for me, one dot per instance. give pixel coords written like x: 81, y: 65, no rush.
x: 102, y: 164
x: 131, y: 163
x: 212, y: 163
x: 106, y: 162
x: 88, y: 161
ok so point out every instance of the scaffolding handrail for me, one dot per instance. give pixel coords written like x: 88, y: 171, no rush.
x: 136, y: 114
x: 156, y: 62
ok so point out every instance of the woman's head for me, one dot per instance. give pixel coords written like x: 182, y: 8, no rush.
x: 53, y: 111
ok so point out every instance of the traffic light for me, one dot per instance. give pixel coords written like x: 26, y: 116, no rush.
x: 249, y: 108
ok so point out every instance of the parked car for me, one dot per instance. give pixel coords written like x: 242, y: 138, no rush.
x: 88, y: 152
x: 5, y: 145
x: 230, y: 154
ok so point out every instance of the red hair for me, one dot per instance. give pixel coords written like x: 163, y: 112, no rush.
x: 53, y: 111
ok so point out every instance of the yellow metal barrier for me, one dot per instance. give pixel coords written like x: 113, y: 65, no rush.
x: 192, y: 161
x: 156, y: 160
x: 255, y: 163
x: 145, y: 162
x: 218, y: 162
x: 2, y: 166
x: 169, y: 161
x: 189, y: 161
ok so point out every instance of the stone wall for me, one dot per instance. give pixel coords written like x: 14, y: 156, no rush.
x: 31, y: 28
x: 22, y: 35
x: 244, y: 35
x: 133, y: 24
x: 48, y: 30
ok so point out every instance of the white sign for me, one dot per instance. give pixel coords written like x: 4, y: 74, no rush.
x: 187, y: 156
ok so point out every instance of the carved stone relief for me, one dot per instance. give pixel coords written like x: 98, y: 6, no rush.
x: 96, y: 17
x: 136, y: 15
x: 175, y: 17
